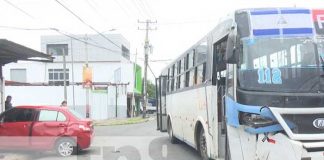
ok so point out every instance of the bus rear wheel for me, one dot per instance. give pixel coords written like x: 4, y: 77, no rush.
x: 202, y: 145
x: 173, y: 139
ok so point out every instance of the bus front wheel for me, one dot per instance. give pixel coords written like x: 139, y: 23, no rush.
x: 173, y: 139
x: 227, y: 152
x: 202, y: 147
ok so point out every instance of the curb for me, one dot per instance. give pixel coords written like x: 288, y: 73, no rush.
x: 122, y: 122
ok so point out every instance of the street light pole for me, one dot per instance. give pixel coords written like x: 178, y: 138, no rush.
x: 134, y: 86
x: 64, y: 76
x: 146, y: 47
x: 73, y: 88
x: 87, y: 88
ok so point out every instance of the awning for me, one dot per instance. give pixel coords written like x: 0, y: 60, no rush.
x: 12, y: 52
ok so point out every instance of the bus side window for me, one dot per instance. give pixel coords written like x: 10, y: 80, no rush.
x: 178, y: 82
x: 187, y: 80
x: 168, y: 86
x: 219, y: 49
x: 172, y: 78
x: 201, y: 72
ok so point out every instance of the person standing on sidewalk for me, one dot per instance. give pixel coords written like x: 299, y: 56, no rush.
x: 8, y: 104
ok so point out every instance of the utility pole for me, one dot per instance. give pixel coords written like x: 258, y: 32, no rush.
x: 64, y: 75
x: 87, y: 89
x: 116, y: 108
x: 134, y: 87
x: 147, y: 46
x: 73, y: 89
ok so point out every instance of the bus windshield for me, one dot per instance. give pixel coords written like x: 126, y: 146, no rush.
x: 321, y: 51
x: 284, y: 64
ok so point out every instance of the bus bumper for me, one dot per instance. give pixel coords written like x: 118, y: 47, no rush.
x: 313, y: 151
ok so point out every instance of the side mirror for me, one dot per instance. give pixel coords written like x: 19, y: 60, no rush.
x: 231, y: 51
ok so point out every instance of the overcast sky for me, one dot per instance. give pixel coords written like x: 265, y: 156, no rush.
x: 180, y: 23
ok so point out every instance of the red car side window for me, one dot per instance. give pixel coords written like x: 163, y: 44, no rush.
x: 51, y: 116
x: 18, y: 115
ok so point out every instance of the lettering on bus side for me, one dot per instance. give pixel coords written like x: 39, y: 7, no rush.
x: 269, y: 76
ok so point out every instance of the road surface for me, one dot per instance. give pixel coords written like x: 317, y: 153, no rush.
x: 124, y: 142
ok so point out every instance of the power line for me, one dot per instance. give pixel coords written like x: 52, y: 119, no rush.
x: 93, y: 7
x: 80, y: 19
x: 60, y: 32
x: 144, y: 8
x: 151, y: 70
x: 122, y: 8
x: 149, y: 7
x: 27, y: 29
x: 138, y: 9
x: 21, y: 10
x: 184, y: 22
x: 57, y: 30
x: 98, y: 46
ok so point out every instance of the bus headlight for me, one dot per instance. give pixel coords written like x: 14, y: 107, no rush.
x: 256, y: 120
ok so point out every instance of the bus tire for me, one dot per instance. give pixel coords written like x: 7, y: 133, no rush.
x: 202, y: 145
x: 227, y: 151
x: 173, y: 139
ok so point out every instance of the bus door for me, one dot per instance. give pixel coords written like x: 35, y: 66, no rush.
x: 219, y: 79
x: 221, y: 113
x: 161, y: 85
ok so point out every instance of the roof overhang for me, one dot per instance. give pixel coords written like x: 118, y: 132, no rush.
x: 12, y: 52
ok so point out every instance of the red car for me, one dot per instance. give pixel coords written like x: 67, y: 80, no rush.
x: 45, y: 128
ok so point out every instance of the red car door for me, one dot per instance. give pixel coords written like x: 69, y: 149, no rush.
x: 49, y: 125
x: 15, y: 127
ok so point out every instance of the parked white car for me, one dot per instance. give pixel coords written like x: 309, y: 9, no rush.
x: 150, y: 109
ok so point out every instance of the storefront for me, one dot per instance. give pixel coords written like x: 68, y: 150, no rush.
x: 12, y: 52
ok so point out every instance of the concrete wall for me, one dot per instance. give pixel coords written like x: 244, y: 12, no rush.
x: 102, y: 71
x: 105, y: 64
x: 110, y: 52
x: 102, y: 104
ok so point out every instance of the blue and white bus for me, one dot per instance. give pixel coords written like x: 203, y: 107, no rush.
x: 252, y: 88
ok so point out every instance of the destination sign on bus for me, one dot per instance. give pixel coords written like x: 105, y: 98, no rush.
x: 286, y: 22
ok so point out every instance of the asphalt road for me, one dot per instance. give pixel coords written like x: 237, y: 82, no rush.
x: 140, y: 129
x: 143, y: 142
x: 125, y: 142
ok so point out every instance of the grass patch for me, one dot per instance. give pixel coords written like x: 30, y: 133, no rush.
x: 113, y: 122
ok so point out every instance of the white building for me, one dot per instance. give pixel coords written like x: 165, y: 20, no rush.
x: 42, y: 83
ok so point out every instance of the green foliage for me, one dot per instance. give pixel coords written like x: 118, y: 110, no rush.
x: 151, y: 89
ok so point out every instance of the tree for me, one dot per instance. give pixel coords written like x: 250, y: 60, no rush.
x: 151, y: 89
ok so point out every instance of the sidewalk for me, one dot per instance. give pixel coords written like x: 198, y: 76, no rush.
x: 124, y: 121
